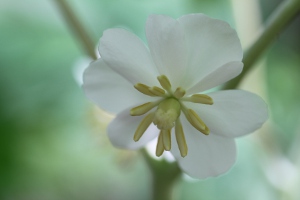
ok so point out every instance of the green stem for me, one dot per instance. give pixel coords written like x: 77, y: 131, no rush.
x: 77, y: 28
x: 164, y: 176
x: 279, y: 19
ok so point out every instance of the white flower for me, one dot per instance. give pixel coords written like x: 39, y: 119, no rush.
x: 155, y: 91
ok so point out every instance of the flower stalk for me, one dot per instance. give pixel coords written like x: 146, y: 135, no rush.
x: 164, y: 177
x: 77, y: 28
x: 276, y: 23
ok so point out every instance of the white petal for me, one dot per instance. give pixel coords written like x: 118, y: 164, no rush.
x: 126, y: 54
x: 109, y: 90
x: 121, y: 131
x: 167, y: 46
x: 217, y: 77
x: 211, y: 44
x: 234, y: 112
x: 207, y: 156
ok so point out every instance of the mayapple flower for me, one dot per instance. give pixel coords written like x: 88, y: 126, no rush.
x: 158, y: 91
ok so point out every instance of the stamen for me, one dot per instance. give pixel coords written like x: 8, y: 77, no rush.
x: 145, y: 123
x: 167, y: 114
x: 200, y: 98
x: 195, y: 121
x: 160, y: 146
x: 166, y: 135
x: 164, y: 82
x: 180, y: 138
x: 142, y: 109
x: 206, y: 131
x: 179, y: 92
x: 143, y: 89
x: 156, y: 91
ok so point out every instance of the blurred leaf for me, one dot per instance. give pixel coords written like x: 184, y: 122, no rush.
x: 283, y: 72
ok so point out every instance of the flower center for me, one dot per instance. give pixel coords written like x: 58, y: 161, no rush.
x: 166, y: 116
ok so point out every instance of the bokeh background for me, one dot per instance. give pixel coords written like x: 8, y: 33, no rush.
x: 53, y: 144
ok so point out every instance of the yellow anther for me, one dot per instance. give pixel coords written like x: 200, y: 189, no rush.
x: 200, y: 98
x: 196, y: 121
x: 179, y: 92
x: 166, y: 135
x: 160, y: 146
x: 156, y: 91
x: 142, y: 109
x: 145, y: 123
x: 164, y: 82
x: 206, y: 131
x: 143, y: 89
x: 180, y: 138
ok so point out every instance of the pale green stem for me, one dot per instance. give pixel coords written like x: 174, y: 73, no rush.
x: 164, y: 177
x: 77, y: 28
x: 279, y: 19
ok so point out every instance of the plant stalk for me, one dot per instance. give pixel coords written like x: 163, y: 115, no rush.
x: 77, y: 28
x: 164, y: 177
x: 276, y: 23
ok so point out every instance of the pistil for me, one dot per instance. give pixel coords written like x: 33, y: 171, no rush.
x: 167, y: 114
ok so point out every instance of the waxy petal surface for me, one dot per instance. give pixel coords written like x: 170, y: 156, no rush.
x: 127, y: 55
x: 217, y: 77
x: 207, y: 156
x: 234, y: 112
x: 121, y: 131
x: 166, y: 41
x: 211, y: 43
x: 108, y: 89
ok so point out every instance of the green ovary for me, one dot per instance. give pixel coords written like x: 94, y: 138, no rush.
x: 166, y: 114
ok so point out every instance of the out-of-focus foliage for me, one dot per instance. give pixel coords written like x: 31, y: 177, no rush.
x: 52, y: 140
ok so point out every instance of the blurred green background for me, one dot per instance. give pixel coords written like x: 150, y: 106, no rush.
x: 52, y: 139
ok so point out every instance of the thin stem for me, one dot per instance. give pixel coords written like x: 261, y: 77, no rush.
x: 77, y: 28
x: 164, y: 176
x: 279, y: 19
